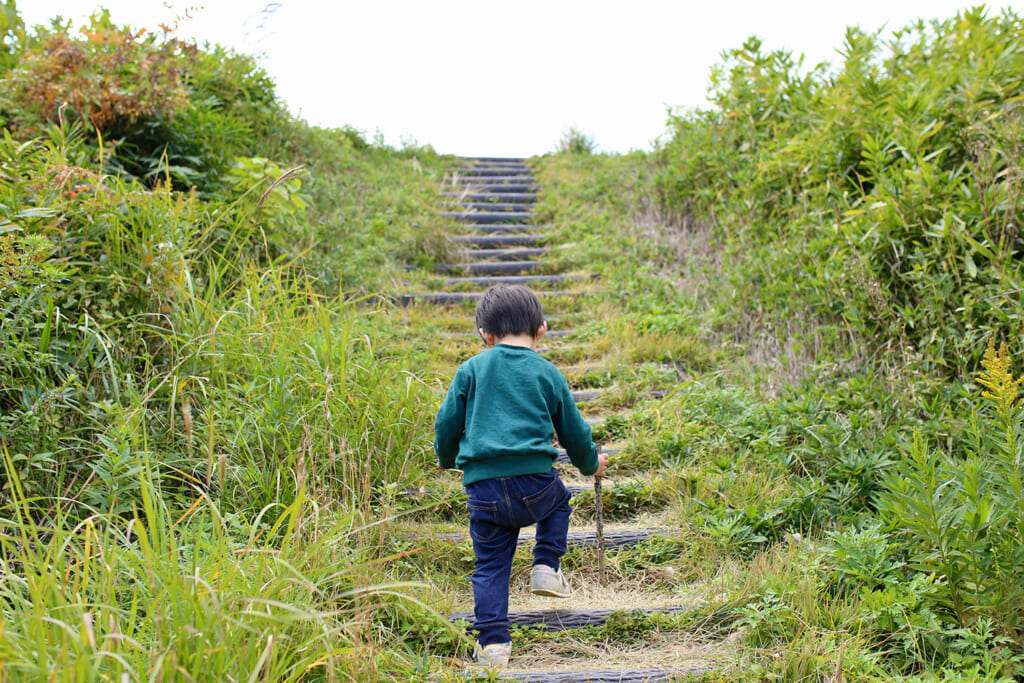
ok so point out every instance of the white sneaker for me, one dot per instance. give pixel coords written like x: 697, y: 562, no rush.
x: 495, y: 654
x: 546, y: 581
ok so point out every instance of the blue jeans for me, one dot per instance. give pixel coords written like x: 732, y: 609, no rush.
x: 498, y: 509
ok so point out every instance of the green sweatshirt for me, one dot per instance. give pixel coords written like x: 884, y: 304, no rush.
x: 501, y: 414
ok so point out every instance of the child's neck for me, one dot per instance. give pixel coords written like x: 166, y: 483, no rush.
x: 529, y: 341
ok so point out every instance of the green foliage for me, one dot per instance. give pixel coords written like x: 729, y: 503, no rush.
x: 863, y: 558
x: 189, y: 377
x: 888, y: 187
x: 624, y: 499
x: 36, y: 378
x: 12, y: 36
x: 834, y: 245
x: 233, y: 112
x: 110, y: 79
x: 575, y: 141
x: 173, y: 371
x: 136, y: 327
x: 166, y: 110
x: 203, y: 594
x: 768, y: 617
x: 265, y: 190
x: 627, y: 627
x: 963, y: 518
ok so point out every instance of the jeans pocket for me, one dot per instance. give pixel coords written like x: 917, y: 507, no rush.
x: 482, y: 514
x: 541, y: 504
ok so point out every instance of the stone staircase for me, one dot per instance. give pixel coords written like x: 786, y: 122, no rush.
x: 493, y: 199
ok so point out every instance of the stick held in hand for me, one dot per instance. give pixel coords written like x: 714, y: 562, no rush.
x: 598, y: 509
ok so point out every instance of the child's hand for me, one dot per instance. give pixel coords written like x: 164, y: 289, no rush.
x: 602, y: 464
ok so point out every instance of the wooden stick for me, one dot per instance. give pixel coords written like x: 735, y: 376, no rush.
x: 599, y: 509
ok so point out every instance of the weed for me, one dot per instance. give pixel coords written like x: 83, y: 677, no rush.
x: 575, y: 141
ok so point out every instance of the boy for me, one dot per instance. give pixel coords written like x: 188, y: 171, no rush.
x: 497, y: 424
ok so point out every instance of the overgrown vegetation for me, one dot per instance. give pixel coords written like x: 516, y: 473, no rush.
x: 206, y: 422
x: 197, y: 402
x: 849, y: 236
x: 882, y: 195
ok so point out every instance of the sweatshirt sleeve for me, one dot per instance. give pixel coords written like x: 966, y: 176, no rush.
x: 574, y: 432
x: 451, y: 422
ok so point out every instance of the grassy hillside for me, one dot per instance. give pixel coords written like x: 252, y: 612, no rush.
x: 197, y: 403
x: 207, y: 422
x: 881, y: 196
x: 852, y: 232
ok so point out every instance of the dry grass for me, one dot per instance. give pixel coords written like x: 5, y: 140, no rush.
x: 697, y: 269
x: 641, y: 521
x: 781, y: 356
x: 640, y: 590
x: 420, y: 529
x: 778, y: 356
x: 660, y: 650
x: 572, y: 477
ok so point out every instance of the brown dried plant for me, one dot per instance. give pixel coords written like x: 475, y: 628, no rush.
x: 110, y: 79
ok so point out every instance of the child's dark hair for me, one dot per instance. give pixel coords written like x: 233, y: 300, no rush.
x: 509, y: 309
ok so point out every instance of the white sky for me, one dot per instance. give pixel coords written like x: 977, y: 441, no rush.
x: 479, y: 77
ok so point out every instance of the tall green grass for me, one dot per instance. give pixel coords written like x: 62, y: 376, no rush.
x: 195, y: 594
x: 203, y: 416
x: 148, y: 317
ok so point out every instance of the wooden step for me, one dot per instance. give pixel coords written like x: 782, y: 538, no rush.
x: 565, y: 619
x: 511, y: 177
x: 499, y: 188
x: 449, y: 298
x: 488, y: 241
x: 494, y: 206
x: 491, y: 267
x: 613, y: 539
x: 491, y: 216
x: 603, y: 675
x: 498, y: 228
x: 485, y: 163
x: 495, y: 160
x: 466, y: 336
x: 500, y: 170
x: 476, y: 196
x: 528, y: 280
x: 479, y: 162
x: 491, y: 170
x: 503, y: 254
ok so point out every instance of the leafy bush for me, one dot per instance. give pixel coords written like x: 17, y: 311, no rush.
x: 962, y: 518
x: 575, y: 141
x: 867, y: 558
x: 887, y: 189
x: 125, y: 307
x: 12, y: 36
x: 110, y: 79
x: 36, y: 378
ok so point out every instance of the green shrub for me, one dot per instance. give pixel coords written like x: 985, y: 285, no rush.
x: 575, y: 141
x: 37, y: 381
x: 866, y: 558
x: 12, y: 36
x: 886, y: 190
x: 136, y: 328
x: 110, y: 79
x: 962, y: 517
